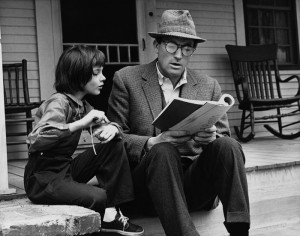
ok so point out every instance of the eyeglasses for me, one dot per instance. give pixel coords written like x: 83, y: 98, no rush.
x: 185, y: 49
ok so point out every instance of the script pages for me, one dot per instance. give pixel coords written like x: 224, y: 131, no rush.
x: 192, y: 115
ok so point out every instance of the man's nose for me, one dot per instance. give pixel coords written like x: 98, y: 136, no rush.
x: 178, y: 53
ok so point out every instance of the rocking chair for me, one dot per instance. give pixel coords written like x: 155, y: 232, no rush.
x: 257, y: 84
x: 17, y: 99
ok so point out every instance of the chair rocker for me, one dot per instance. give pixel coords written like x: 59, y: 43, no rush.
x: 17, y: 100
x: 257, y: 84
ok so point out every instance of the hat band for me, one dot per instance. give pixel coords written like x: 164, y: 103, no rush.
x: 178, y: 29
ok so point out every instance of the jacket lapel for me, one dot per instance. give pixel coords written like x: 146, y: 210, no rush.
x: 190, y: 90
x: 153, y: 94
x: 152, y: 91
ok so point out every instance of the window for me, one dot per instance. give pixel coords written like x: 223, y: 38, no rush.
x: 273, y: 21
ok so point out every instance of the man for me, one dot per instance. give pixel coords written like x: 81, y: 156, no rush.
x: 178, y: 171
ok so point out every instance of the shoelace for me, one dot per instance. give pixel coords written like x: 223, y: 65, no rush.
x: 123, y: 219
x: 92, y: 139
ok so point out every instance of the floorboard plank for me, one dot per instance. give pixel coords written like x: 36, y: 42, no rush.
x: 16, y: 181
x: 16, y: 170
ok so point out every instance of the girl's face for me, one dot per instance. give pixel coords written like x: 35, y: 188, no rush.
x: 94, y: 86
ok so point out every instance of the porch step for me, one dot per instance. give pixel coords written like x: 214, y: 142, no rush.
x: 20, y: 217
x: 274, y: 193
x: 273, y: 173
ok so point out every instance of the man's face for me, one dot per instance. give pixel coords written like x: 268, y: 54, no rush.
x: 172, y: 65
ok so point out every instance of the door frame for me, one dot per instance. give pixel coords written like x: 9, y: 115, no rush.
x: 49, y: 38
x: 49, y: 42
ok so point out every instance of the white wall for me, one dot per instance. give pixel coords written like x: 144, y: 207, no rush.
x: 219, y: 21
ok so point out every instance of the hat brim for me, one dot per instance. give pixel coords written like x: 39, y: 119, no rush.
x: 177, y: 34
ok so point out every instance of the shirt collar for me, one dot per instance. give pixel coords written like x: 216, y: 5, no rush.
x: 75, y: 99
x: 182, y: 80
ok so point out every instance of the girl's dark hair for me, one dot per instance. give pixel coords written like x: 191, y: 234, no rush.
x: 75, y: 68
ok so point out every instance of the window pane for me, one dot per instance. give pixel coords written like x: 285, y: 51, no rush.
x: 266, y: 17
x: 283, y: 55
x: 253, y: 2
x: 253, y: 18
x: 267, y: 2
x: 254, y: 36
x: 282, y: 36
x: 267, y: 36
x: 282, y: 3
x: 281, y: 18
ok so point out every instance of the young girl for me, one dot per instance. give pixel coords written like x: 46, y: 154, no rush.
x: 52, y: 176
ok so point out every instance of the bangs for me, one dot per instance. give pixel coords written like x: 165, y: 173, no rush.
x: 98, y: 59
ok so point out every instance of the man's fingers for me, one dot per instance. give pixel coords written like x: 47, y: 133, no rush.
x: 211, y: 129
x: 178, y: 133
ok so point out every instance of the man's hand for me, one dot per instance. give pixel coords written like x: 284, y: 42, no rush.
x: 205, y: 136
x: 174, y: 137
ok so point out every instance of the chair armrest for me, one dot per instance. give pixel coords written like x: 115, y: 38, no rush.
x: 290, y: 78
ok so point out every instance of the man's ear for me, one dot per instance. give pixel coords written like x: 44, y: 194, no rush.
x: 155, y: 45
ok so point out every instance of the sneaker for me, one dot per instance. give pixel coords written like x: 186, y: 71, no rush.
x: 121, y: 225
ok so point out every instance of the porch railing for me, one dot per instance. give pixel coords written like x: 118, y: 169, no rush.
x: 116, y: 54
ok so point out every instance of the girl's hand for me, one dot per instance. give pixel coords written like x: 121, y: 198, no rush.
x: 93, y: 117
x: 105, y: 132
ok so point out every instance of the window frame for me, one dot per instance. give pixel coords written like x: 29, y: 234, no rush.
x: 240, y: 6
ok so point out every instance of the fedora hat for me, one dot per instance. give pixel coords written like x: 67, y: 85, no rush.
x: 178, y: 23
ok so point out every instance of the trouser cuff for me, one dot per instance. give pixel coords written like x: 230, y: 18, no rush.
x: 192, y: 233
x: 238, y: 217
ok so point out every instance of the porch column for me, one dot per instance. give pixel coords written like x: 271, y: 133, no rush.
x: 3, y: 149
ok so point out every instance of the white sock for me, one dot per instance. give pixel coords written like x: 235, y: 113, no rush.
x: 110, y: 214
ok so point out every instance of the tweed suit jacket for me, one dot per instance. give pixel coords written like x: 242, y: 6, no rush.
x: 136, y: 100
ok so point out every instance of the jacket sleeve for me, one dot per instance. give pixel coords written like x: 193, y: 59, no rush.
x: 118, y: 111
x: 50, y: 125
x: 223, y: 124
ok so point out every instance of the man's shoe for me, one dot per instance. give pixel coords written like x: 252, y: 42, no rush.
x: 121, y: 225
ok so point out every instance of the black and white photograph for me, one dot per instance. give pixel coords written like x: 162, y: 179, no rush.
x: 150, y: 117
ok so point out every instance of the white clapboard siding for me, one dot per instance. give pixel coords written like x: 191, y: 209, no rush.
x: 215, y: 21
x: 19, y: 41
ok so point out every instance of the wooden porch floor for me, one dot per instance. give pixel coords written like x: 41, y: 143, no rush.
x: 261, y: 153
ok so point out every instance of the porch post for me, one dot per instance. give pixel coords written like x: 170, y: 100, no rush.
x: 3, y: 149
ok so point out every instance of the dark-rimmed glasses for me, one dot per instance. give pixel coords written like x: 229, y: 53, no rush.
x: 173, y: 47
